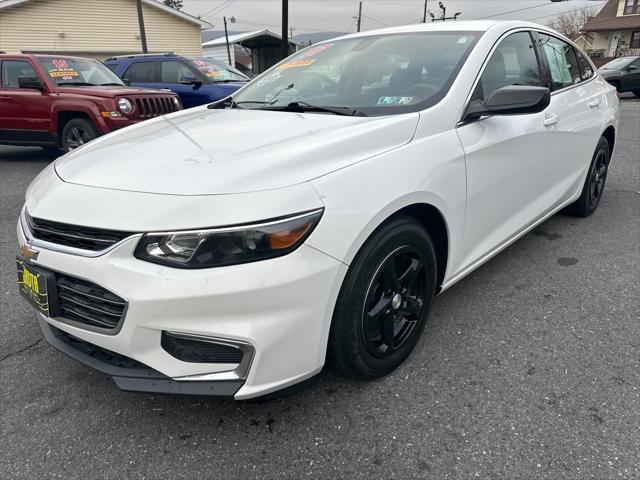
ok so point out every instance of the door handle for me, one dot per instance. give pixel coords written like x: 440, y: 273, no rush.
x: 550, y: 120
x: 594, y: 103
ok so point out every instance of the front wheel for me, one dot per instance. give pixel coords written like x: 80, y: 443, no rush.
x: 593, y: 187
x: 76, y: 133
x: 384, y: 301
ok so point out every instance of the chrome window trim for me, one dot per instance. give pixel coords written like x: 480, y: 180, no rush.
x: 240, y: 372
x: 530, y: 30
x: 31, y: 240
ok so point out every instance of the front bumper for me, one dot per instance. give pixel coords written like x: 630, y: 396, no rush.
x: 281, y: 307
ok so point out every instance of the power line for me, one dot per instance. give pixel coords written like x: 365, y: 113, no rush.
x: 219, y: 8
x: 514, y: 11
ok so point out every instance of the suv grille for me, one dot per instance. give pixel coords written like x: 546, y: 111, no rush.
x: 86, y: 238
x: 149, y: 107
x: 87, y: 303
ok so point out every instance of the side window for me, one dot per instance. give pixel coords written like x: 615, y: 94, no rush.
x: 12, y: 69
x: 173, y: 71
x: 141, y: 72
x: 586, y: 71
x: 514, y: 62
x: 563, y: 64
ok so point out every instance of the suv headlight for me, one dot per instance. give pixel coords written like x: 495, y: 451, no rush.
x: 219, y: 247
x: 125, y: 105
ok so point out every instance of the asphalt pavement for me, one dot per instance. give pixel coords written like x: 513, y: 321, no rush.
x: 528, y: 369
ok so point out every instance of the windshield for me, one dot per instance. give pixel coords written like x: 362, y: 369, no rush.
x: 78, y: 71
x: 373, y: 75
x: 618, y: 63
x: 217, y: 71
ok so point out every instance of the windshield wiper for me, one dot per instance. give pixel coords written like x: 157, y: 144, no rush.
x: 78, y: 84
x: 112, y: 84
x: 242, y: 80
x: 307, y: 107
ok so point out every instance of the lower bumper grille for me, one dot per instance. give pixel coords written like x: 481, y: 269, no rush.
x: 89, y: 304
x: 196, y: 350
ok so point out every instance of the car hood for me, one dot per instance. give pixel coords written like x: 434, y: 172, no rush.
x: 204, y: 151
x: 110, y: 91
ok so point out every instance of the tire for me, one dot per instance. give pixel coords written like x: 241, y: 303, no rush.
x: 77, y: 132
x: 593, y: 187
x: 359, y: 344
x: 636, y: 93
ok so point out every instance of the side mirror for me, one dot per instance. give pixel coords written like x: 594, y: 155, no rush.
x: 190, y: 80
x: 126, y: 81
x: 510, y: 100
x: 631, y: 68
x: 30, y: 82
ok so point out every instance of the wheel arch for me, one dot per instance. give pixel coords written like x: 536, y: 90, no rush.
x: 610, y: 134
x: 63, y: 117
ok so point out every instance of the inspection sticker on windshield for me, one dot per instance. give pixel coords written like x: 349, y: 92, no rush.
x: 297, y: 64
x: 395, y: 100
x: 315, y: 50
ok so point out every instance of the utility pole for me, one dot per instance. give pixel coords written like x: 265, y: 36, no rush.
x: 444, y: 14
x: 143, y: 35
x: 359, y: 16
x: 226, y: 37
x: 285, y: 28
x: 424, y: 17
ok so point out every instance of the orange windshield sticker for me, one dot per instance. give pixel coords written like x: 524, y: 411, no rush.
x: 297, y: 64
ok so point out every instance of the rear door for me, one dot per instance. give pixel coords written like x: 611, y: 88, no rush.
x: 509, y: 158
x: 576, y: 110
x: 24, y: 112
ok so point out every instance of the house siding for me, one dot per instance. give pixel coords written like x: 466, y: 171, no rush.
x: 98, y: 28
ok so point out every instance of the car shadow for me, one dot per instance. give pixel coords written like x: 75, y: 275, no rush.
x: 10, y: 154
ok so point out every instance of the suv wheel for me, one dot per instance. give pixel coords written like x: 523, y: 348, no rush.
x: 384, y: 301
x: 76, y: 133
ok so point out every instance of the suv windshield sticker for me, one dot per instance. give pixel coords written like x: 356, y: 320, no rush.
x: 61, y: 69
x: 297, y: 64
x: 395, y: 100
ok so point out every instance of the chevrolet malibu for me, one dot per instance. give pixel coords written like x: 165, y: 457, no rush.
x: 310, y: 218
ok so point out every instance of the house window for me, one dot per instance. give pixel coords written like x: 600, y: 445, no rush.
x: 635, y: 39
x: 631, y: 7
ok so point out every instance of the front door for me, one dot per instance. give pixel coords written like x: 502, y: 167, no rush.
x: 24, y: 112
x: 509, y: 159
x: 630, y: 80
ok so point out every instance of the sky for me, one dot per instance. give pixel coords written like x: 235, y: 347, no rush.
x: 309, y: 16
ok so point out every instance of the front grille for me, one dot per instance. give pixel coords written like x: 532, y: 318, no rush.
x: 87, y: 303
x: 102, y: 354
x: 149, y: 107
x: 199, y: 351
x: 86, y: 238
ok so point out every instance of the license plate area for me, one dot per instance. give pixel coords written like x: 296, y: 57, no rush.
x: 38, y: 287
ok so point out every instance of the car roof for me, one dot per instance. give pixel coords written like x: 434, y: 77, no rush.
x: 457, y: 26
x: 150, y: 56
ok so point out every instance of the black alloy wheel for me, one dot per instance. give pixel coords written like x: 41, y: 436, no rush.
x: 593, y: 187
x: 384, y: 301
x: 598, y: 175
x: 394, y: 303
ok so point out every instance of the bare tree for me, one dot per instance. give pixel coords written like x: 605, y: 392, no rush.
x: 177, y: 4
x: 570, y: 23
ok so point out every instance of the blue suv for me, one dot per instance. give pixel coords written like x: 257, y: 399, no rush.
x: 197, y: 80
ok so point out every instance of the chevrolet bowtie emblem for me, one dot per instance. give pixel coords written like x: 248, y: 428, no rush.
x: 28, y: 252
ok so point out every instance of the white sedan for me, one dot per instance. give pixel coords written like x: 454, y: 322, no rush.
x: 310, y: 218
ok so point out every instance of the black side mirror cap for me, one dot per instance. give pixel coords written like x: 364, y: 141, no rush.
x: 631, y: 68
x: 510, y: 100
x: 30, y: 82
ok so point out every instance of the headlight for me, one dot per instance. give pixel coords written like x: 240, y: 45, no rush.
x: 176, y: 102
x: 218, y: 247
x: 125, y: 105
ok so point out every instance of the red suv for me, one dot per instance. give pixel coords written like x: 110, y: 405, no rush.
x: 60, y: 102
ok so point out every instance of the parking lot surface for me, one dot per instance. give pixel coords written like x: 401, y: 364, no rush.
x: 529, y: 368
